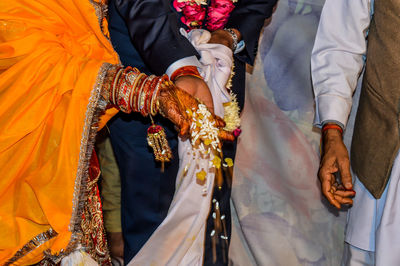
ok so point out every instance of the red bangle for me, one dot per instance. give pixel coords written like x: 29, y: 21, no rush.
x: 163, y: 80
x: 150, y: 94
x: 332, y: 126
x: 136, y: 97
x: 114, y: 85
x: 146, y: 103
x: 134, y: 94
x: 185, y: 71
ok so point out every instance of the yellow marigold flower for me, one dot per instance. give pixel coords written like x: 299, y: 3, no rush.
x: 216, y: 162
x: 207, y: 141
x: 201, y: 175
x: 229, y: 162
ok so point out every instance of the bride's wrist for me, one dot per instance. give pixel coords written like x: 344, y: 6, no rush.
x: 132, y: 91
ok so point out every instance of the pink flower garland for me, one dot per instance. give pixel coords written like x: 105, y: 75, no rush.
x: 194, y: 13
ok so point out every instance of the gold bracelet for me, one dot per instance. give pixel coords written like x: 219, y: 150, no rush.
x: 115, y: 85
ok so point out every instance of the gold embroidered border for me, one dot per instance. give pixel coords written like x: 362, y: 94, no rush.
x: 101, y: 9
x: 96, y: 105
x: 32, y: 244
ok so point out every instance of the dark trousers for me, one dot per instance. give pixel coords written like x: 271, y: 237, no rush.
x: 146, y: 192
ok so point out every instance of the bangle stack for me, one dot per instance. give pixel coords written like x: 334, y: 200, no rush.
x: 132, y: 91
x: 185, y: 71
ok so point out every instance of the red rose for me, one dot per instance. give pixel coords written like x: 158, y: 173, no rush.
x: 218, y: 14
x: 178, y: 5
x: 193, y: 14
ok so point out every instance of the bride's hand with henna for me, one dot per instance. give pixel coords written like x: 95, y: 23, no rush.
x: 130, y: 90
x: 173, y: 104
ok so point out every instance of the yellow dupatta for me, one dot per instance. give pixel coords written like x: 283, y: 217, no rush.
x: 52, y: 56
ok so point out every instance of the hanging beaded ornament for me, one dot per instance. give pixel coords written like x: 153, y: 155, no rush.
x: 157, y: 139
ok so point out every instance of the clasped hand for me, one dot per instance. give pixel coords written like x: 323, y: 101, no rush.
x: 335, y: 159
x: 173, y: 104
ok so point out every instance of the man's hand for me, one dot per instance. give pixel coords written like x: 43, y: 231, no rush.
x: 223, y: 37
x: 197, y: 88
x: 335, y: 158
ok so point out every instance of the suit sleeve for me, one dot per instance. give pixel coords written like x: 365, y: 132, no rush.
x: 154, y: 31
x: 248, y: 17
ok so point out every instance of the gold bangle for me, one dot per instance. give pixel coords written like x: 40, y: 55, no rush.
x: 115, y: 83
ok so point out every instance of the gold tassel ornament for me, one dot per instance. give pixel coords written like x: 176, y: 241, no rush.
x: 157, y: 139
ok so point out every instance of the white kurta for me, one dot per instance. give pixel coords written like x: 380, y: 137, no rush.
x: 336, y: 63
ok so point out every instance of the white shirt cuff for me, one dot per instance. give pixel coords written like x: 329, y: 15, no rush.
x: 240, y: 47
x: 331, y: 108
x: 186, y: 61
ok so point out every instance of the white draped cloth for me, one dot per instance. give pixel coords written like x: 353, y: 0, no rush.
x: 337, y: 60
x: 179, y: 240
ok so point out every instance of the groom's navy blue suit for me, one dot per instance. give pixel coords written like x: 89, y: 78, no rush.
x: 145, y: 33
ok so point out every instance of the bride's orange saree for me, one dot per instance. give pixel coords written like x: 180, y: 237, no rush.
x: 53, y: 57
